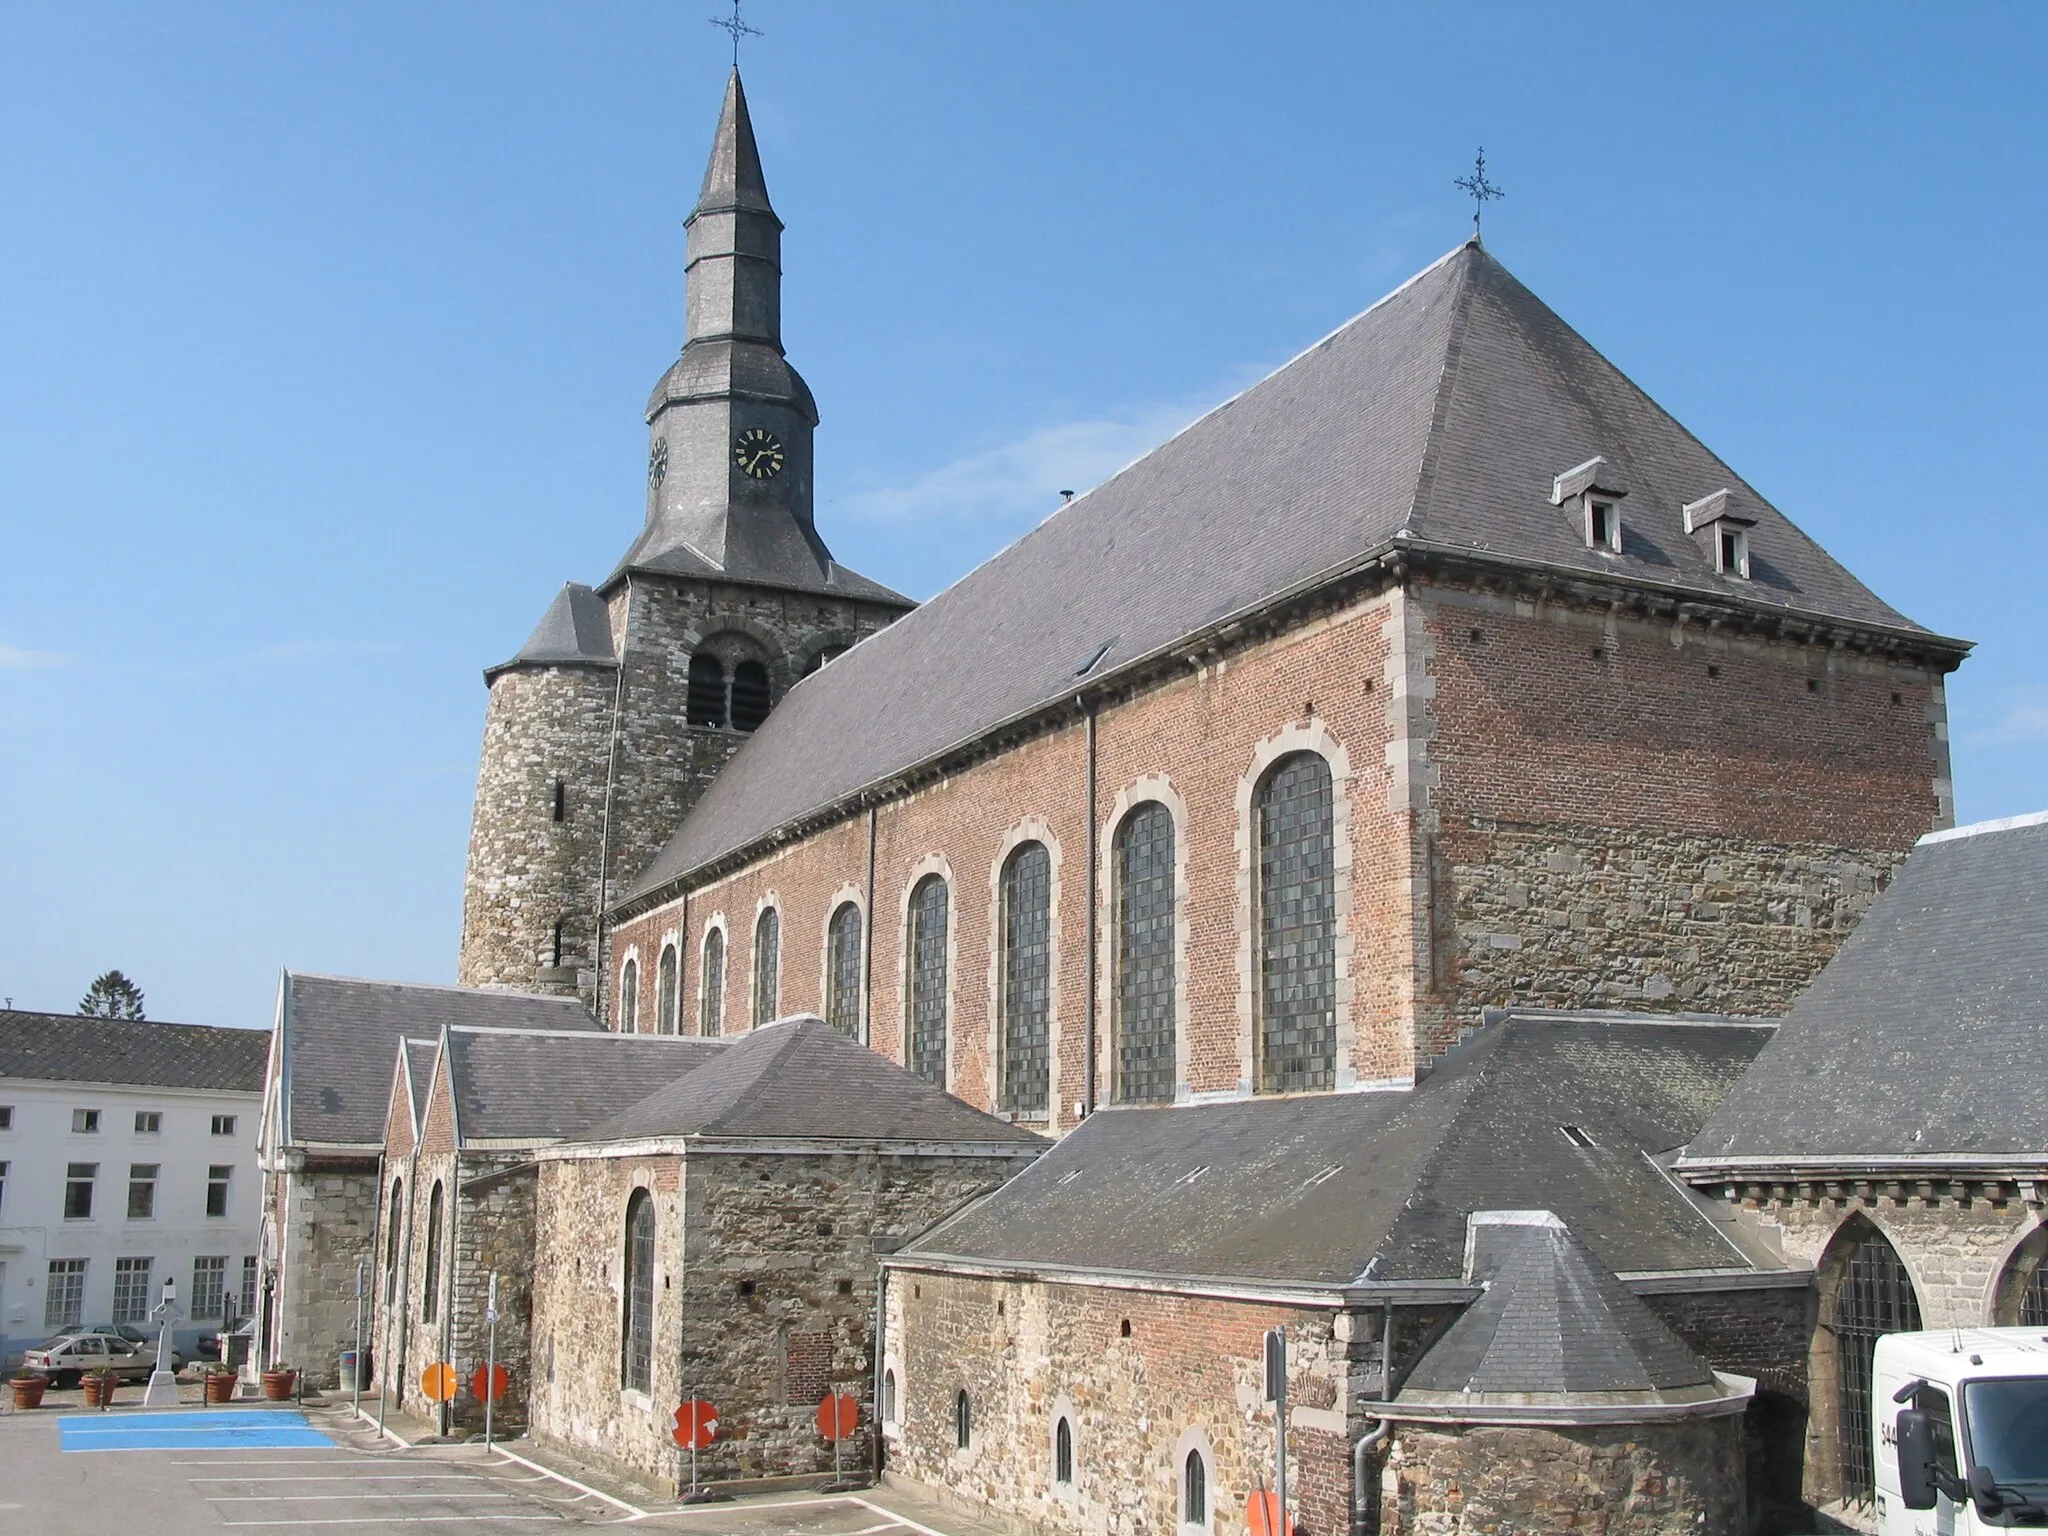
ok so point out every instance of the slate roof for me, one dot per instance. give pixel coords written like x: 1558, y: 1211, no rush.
x: 800, y: 1078
x: 1438, y: 419
x: 575, y: 631
x: 340, y: 1033
x: 67, y: 1048
x: 1552, y: 1324
x: 1928, y: 1033
x: 539, y: 1086
x: 1337, y: 1189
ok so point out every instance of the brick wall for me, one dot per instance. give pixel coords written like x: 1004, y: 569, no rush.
x: 1186, y: 1375
x: 764, y: 1294
x: 1679, y: 821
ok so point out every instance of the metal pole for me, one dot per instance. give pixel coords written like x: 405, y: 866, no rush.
x: 355, y: 1375
x: 1280, y: 1433
x: 491, y: 1358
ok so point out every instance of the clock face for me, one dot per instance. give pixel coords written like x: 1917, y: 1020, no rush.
x: 758, y: 452
x: 657, y: 463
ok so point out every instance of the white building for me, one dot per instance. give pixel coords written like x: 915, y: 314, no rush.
x: 127, y: 1154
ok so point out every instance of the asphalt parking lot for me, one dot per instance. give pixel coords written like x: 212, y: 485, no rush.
x: 188, y: 1470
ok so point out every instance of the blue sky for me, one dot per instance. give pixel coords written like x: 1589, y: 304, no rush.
x: 325, y: 331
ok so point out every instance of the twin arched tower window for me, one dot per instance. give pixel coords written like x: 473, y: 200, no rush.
x: 737, y: 697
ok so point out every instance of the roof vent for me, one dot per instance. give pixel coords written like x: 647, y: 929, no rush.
x: 1590, y: 494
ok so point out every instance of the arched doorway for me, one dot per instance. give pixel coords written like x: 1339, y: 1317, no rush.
x: 1865, y: 1292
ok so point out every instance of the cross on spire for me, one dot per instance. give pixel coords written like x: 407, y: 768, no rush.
x: 1475, y: 186
x: 737, y: 28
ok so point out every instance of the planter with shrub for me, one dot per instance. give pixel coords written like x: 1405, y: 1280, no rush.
x: 29, y: 1388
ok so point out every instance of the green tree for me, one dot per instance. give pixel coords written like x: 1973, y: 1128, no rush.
x: 112, y: 996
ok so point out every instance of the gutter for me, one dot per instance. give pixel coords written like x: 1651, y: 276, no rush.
x: 1221, y: 1288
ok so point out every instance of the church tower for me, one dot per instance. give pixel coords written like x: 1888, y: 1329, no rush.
x: 630, y: 696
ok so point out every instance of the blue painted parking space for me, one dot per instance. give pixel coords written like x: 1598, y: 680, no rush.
x: 228, y: 1429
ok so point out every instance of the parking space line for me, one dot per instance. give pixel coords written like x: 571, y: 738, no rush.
x: 349, y: 1477
x: 342, y: 1498
x: 389, y: 1520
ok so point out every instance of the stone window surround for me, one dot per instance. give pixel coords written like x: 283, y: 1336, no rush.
x: 1156, y: 787
x: 630, y: 958
x: 1193, y: 1438
x: 642, y: 1179
x: 1063, y: 1412
x: 847, y: 895
x: 1311, y: 735
x: 931, y: 864
x: 1031, y: 829
x: 718, y: 924
x: 771, y: 899
x: 892, y: 1404
x: 671, y: 943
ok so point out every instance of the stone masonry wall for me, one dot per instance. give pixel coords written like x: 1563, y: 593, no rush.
x: 1679, y: 1479
x: 331, y: 1217
x: 1652, y: 815
x: 764, y: 1297
x: 1141, y: 1378
x: 1958, y: 1242
x: 527, y: 870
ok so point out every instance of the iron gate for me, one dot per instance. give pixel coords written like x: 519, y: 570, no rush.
x: 1876, y: 1297
x: 2034, y: 1299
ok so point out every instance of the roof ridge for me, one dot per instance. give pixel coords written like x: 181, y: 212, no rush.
x: 431, y: 986
x: 1439, y: 411
x: 757, y: 1084
x: 1984, y: 828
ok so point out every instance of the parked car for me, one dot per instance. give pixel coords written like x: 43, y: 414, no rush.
x: 67, y: 1357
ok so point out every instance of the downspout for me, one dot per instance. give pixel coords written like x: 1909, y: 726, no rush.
x: 1089, y: 892
x: 881, y: 1356
x: 867, y: 941
x: 1381, y: 1432
x: 604, y: 837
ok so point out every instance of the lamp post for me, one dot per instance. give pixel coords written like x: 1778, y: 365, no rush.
x: 163, y: 1381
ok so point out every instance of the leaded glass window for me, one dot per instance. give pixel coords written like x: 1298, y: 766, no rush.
x: 767, y: 964
x: 928, y: 913
x: 1194, y: 1491
x: 1297, y: 902
x: 430, y: 1294
x: 629, y: 997
x: 842, y: 972
x: 1876, y: 1297
x: 666, y: 991
x: 1145, y: 1064
x: 2034, y: 1299
x: 1027, y: 979
x: 711, y: 1004
x: 636, y: 1364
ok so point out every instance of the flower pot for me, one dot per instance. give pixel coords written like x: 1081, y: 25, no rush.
x: 29, y: 1390
x: 277, y: 1385
x: 99, y: 1391
x: 220, y: 1387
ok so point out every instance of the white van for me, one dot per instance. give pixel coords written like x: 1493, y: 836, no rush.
x: 1960, y: 1419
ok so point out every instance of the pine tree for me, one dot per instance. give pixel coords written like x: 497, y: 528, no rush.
x: 112, y: 996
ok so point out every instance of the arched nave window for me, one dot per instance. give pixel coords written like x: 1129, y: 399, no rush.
x: 629, y: 997
x: 1144, y: 997
x: 711, y: 1003
x: 767, y: 965
x: 666, y: 984
x: 1297, y: 926
x: 928, y: 916
x: 842, y: 971
x: 1027, y: 979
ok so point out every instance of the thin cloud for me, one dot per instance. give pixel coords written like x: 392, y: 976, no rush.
x: 303, y: 650
x: 14, y: 658
x: 2022, y: 723
x: 1017, y: 483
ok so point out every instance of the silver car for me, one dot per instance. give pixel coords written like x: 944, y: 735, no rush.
x: 68, y: 1356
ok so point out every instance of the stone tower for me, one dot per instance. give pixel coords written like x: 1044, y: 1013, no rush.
x: 629, y: 696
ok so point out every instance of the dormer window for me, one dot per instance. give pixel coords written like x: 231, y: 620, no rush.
x: 1603, y: 524
x: 1590, y: 493
x: 1732, y: 551
x: 1722, y: 527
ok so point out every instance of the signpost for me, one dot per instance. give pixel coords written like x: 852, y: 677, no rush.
x: 162, y: 1391
x: 355, y: 1374
x: 491, y: 1358
x: 696, y: 1427
x: 838, y: 1418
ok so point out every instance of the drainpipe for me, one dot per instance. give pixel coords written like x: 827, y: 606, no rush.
x: 875, y: 1408
x: 867, y: 941
x: 454, y: 1275
x: 1381, y: 1432
x: 1089, y: 892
